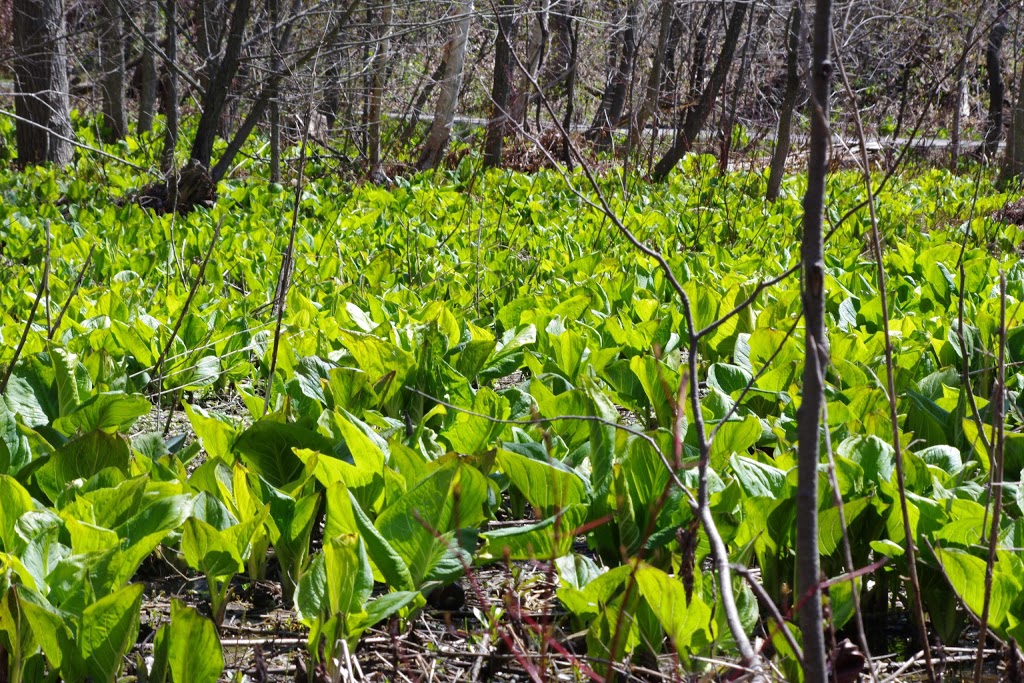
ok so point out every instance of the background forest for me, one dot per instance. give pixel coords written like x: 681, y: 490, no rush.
x: 537, y: 340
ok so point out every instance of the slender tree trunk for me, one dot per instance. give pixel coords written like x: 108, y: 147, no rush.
x: 570, y: 86
x: 148, y: 87
x: 115, y: 121
x: 535, y: 47
x: 812, y: 256
x: 652, y: 94
x: 378, y: 76
x: 441, y: 129
x: 669, y: 72
x: 794, y: 29
x: 1013, y: 162
x: 697, y: 114
x: 613, y: 101
x: 216, y: 95
x: 170, y: 98
x: 750, y: 44
x: 275, y: 94
x: 43, y: 130
x: 996, y: 89
x: 501, y: 86
x: 209, y: 23
x: 416, y: 109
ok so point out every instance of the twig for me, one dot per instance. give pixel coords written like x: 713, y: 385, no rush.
x: 71, y: 295
x: 28, y: 327
x: 876, y: 239
x: 995, y: 492
x: 191, y: 295
x: 773, y: 610
x: 284, y: 278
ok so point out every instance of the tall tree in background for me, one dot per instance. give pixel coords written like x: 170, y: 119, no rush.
x: 620, y: 76
x: 378, y: 74
x: 170, y: 94
x: 816, y: 351
x: 147, y: 67
x: 1013, y: 163
x: 216, y: 96
x: 794, y: 29
x: 697, y: 114
x: 111, y: 42
x: 43, y: 129
x: 444, y: 114
x: 501, y: 86
x: 996, y: 88
x: 536, y: 46
x: 652, y: 95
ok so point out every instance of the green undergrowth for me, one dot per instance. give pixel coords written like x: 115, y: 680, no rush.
x: 436, y: 337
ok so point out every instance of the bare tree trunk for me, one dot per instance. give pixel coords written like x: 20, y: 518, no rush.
x: 750, y: 44
x: 501, y: 86
x: 1013, y: 163
x: 377, y: 78
x: 535, y: 47
x: 216, y: 95
x: 794, y: 29
x: 111, y: 39
x: 444, y: 114
x: 170, y: 98
x: 697, y: 114
x: 263, y: 100
x: 996, y: 89
x: 669, y: 76
x: 148, y: 87
x: 816, y: 356
x: 613, y: 101
x: 653, y: 93
x: 275, y: 94
x: 209, y: 23
x: 570, y: 87
x: 43, y: 129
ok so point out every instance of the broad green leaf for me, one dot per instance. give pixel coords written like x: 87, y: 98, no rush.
x: 109, y: 627
x: 546, y: 540
x: 348, y: 573
x: 109, y: 412
x: 966, y: 574
x: 266, y: 448
x: 216, y: 432
x: 734, y: 436
x: 476, y: 431
x: 686, y: 623
x: 193, y: 649
x: 548, y: 487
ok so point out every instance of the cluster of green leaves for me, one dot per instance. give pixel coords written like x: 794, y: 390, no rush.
x: 439, y: 339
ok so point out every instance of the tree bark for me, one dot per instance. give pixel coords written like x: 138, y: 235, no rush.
x: 697, y: 114
x: 444, y: 114
x: 816, y: 356
x: 784, y: 131
x: 613, y: 101
x: 1013, y: 162
x: 216, y: 95
x: 111, y: 40
x: 501, y: 86
x: 996, y: 88
x: 751, y: 41
x: 652, y: 95
x: 43, y: 130
x: 275, y: 94
x: 535, y: 48
x: 377, y: 78
x: 148, y: 87
x: 170, y: 97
